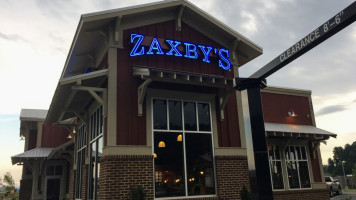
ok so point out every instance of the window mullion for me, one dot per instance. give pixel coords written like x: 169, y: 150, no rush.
x: 185, y: 160
x: 167, y: 115
x: 197, y: 116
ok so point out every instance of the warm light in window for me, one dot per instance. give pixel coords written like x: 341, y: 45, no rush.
x: 155, y: 155
x: 180, y: 138
x: 74, y: 131
x: 202, y: 173
x: 161, y: 144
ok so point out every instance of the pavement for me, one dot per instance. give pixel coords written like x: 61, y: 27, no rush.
x: 345, y: 196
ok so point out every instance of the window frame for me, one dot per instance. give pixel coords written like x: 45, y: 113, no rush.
x: 281, y: 159
x: 297, y: 161
x: 81, y: 145
x: 282, y: 149
x: 96, y: 132
x: 182, y: 97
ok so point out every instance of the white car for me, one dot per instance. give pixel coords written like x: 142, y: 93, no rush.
x: 333, y: 185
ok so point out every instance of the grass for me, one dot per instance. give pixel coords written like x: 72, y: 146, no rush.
x: 349, y: 190
x: 9, y: 196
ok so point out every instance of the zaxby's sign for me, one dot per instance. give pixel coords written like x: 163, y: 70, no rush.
x: 179, y: 49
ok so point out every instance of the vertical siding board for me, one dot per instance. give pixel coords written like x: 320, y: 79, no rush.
x: 277, y: 106
x: 233, y: 122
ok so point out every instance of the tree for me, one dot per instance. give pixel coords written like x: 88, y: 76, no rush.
x: 354, y: 171
x: 9, y: 181
x: 343, y: 157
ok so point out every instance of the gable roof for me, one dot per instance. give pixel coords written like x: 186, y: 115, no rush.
x: 93, y: 31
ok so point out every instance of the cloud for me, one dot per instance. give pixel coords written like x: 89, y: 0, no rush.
x: 331, y: 109
x: 12, y: 37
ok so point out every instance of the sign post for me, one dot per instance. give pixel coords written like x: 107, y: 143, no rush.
x: 261, y: 186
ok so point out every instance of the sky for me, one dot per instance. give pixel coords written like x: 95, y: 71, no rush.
x: 35, y: 37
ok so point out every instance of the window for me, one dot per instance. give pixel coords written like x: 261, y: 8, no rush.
x: 297, y: 167
x: 54, y: 170
x: 275, y: 164
x: 96, y: 149
x: 183, y: 149
x: 81, y: 145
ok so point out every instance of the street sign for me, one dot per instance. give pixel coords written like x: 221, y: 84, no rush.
x: 323, y: 32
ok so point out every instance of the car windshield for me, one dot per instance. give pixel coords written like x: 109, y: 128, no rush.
x: 327, y: 179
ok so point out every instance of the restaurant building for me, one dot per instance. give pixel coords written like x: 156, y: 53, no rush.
x: 148, y: 91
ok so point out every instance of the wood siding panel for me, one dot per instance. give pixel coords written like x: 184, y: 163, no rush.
x: 32, y: 139
x: 277, y: 106
x: 315, y: 167
x: 53, y: 136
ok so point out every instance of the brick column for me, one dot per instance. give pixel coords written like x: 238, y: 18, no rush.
x: 85, y: 170
x: 119, y: 172
x: 231, y: 174
x: 71, y: 183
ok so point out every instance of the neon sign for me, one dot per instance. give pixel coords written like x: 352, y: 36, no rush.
x: 191, y: 50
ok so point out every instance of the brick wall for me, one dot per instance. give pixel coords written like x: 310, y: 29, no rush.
x: 119, y: 173
x: 85, y: 169
x: 71, y: 183
x: 232, y: 174
x: 316, y: 194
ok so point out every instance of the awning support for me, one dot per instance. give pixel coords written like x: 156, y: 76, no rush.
x: 223, y: 101
x: 118, y: 33
x: 141, y: 90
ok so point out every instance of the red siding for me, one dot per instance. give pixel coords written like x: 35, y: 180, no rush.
x: 53, y: 136
x: 277, y: 106
x: 32, y: 139
x: 131, y: 129
x: 316, y: 167
x: 228, y: 130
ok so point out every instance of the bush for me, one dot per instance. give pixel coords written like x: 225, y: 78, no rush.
x: 137, y: 193
x: 244, y: 193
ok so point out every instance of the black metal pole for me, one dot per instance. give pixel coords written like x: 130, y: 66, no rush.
x: 263, y: 182
x: 260, y: 179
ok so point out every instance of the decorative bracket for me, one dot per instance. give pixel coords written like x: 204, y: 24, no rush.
x: 141, y: 90
x: 118, y: 32
x: 223, y: 101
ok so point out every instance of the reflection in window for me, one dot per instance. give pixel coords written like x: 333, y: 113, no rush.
x: 183, y: 151
x: 96, y: 146
x: 160, y: 114
x: 275, y: 167
x: 81, y: 145
x: 297, y: 167
x: 190, y: 118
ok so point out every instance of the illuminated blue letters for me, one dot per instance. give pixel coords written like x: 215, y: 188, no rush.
x: 174, y: 47
x: 134, y: 51
x: 155, y: 45
x: 190, y: 50
x: 225, y: 59
x: 205, y: 52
